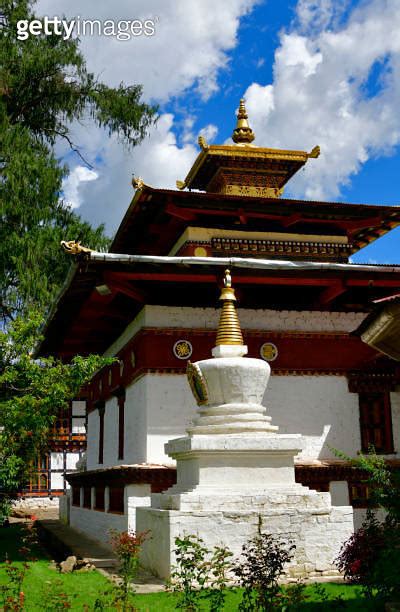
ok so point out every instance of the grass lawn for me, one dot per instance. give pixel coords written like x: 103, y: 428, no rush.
x: 83, y: 589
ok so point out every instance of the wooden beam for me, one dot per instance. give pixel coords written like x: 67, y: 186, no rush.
x: 119, y: 286
x: 330, y: 293
x: 179, y: 212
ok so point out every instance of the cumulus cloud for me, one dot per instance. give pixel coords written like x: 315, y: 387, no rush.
x: 159, y: 160
x: 72, y: 184
x: 188, y: 49
x: 189, y: 46
x: 337, y: 84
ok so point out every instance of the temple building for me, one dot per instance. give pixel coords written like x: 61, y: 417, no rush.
x: 152, y: 302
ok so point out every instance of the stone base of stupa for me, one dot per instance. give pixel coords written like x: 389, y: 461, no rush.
x: 229, y: 485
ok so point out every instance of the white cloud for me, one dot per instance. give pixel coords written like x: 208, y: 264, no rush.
x: 319, y: 93
x: 188, y: 48
x: 209, y: 132
x: 72, y: 184
x: 158, y: 160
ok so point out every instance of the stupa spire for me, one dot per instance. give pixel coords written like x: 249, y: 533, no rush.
x: 242, y: 134
x: 229, y: 332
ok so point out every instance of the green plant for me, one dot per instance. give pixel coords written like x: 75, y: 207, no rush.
x: 262, y: 563
x: 190, y: 574
x: 371, y: 556
x: 126, y: 546
x: 219, y: 567
x: 55, y: 599
x: 12, y: 595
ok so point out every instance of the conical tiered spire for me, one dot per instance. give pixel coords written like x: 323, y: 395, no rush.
x: 229, y: 331
x: 242, y: 134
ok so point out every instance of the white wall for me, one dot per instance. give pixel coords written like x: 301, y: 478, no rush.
x: 92, y: 452
x: 318, y: 407
x: 171, y: 408
x: 97, y: 524
x: 207, y: 318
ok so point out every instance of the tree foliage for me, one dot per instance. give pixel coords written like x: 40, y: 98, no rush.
x: 32, y: 391
x: 44, y: 87
x: 371, y: 556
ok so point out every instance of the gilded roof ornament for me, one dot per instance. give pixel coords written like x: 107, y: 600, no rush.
x: 315, y: 152
x: 74, y: 248
x: 138, y: 182
x: 242, y: 134
x: 203, y: 144
x: 229, y: 332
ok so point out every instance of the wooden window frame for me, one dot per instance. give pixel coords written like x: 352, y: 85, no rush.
x: 366, y: 399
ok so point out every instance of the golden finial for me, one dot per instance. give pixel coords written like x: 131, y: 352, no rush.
x: 74, y: 248
x: 229, y: 331
x: 242, y: 134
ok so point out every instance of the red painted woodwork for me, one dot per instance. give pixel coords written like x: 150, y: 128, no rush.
x: 298, y: 353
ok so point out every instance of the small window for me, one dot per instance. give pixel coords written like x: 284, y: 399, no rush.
x: 76, y: 496
x: 359, y: 495
x: 116, y: 500
x: 376, y: 422
x: 87, y: 497
x: 99, y: 498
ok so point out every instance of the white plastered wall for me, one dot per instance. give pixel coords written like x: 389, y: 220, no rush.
x: 159, y: 407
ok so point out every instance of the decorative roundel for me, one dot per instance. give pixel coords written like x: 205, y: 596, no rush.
x: 269, y: 351
x: 182, y: 349
x: 121, y: 367
x: 133, y: 359
x: 110, y: 377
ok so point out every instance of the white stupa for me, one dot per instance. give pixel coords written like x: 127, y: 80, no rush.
x: 235, y: 471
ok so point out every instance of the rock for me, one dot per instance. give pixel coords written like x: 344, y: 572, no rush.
x: 68, y: 565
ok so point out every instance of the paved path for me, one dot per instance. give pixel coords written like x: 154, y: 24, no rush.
x: 68, y: 541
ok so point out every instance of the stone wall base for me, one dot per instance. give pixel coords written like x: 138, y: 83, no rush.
x: 318, y: 533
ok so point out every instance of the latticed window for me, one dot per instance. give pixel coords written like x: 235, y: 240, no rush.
x: 376, y: 422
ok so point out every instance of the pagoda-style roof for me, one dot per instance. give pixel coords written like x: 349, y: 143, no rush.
x: 156, y: 218
x: 105, y: 291
x: 381, y: 329
x: 242, y: 168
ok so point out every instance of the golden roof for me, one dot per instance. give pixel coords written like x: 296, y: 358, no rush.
x: 242, y: 168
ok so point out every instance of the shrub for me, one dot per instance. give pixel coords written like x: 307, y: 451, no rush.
x: 262, y: 564
x: 190, y: 574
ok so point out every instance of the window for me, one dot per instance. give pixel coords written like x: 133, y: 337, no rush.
x: 376, y: 422
x: 87, y: 497
x: 99, y: 498
x: 116, y: 500
x: 359, y: 495
x: 76, y: 496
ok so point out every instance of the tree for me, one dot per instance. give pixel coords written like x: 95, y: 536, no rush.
x: 32, y: 391
x: 371, y: 556
x: 44, y: 86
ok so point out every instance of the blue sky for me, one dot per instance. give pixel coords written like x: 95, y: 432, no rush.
x: 313, y: 72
